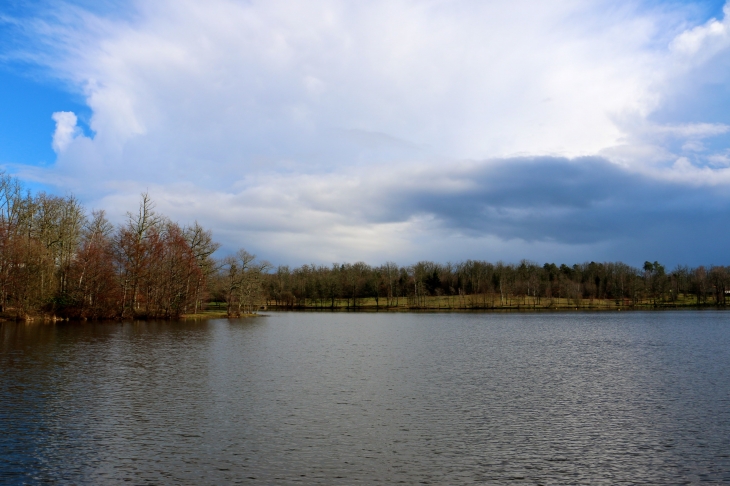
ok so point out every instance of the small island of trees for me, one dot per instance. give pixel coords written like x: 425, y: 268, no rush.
x: 59, y: 261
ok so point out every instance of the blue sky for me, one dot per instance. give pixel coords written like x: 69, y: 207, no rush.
x: 389, y: 130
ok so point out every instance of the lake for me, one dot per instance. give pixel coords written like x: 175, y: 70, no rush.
x: 342, y: 398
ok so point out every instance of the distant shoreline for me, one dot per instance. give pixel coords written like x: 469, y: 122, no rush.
x: 487, y: 310
x: 489, y: 303
x: 372, y: 310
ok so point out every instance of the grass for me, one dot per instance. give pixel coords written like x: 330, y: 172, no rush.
x: 493, y: 301
x: 213, y: 310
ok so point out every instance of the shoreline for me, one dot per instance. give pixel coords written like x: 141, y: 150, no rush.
x: 418, y: 310
x: 527, y: 309
x: 488, y: 303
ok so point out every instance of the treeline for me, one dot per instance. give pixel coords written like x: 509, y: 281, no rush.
x: 479, y: 284
x: 57, y: 260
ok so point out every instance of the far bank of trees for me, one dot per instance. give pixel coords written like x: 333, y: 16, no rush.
x: 474, y: 284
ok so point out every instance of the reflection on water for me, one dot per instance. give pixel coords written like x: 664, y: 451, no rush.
x: 343, y: 398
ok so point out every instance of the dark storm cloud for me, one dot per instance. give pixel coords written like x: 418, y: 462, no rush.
x: 583, y: 200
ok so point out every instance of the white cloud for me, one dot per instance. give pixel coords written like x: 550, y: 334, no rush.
x: 66, y: 130
x: 468, y: 79
x: 690, y: 130
x: 704, y: 41
x: 278, y: 121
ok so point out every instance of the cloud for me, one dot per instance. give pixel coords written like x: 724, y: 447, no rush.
x: 271, y: 79
x: 544, y: 208
x: 398, y: 128
x: 66, y: 130
x: 704, y: 41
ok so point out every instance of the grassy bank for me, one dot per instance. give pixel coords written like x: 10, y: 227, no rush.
x: 214, y: 311
x: 490, y: 302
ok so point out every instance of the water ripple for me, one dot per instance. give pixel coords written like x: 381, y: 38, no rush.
x: 307, y: 398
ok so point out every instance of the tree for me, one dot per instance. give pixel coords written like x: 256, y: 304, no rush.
x: 134, y: 247
x: 243, y: 279
x: 202, y: 246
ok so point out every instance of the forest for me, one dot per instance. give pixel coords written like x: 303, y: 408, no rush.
x: 474, y: 284
x: 59, y: 261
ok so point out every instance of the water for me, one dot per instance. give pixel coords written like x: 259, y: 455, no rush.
x: 565, y: 398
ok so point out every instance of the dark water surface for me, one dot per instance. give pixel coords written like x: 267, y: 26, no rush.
x: 565, y: 398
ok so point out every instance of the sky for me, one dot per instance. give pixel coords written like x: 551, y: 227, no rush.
x: 399, y: 130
